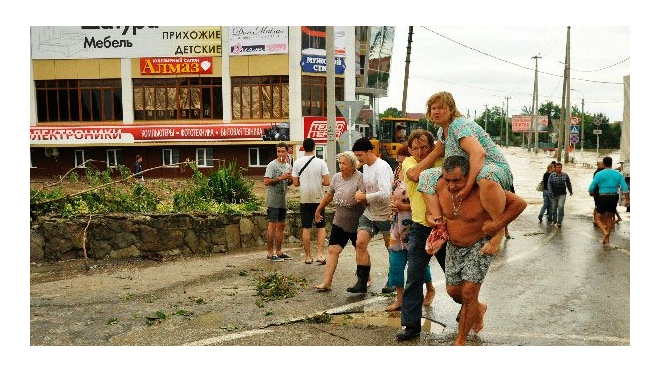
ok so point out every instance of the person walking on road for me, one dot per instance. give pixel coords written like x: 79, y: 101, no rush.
x: 559, y: 183
x: 377, y: 177
x: 470, y: 226
x: 311, y: 174
x: 343, y: 186
x: 422, y: 161
x: 594, y: 194
x: 277, y: 178
x: 547, y: 194
x: 608, y: 182
x: 399, y: 236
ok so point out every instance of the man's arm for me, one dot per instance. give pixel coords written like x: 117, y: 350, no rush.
x: 426, y: 163
x: 433, y: 208
x: 514, y: 207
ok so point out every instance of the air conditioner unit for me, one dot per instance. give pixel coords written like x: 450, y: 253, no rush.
x: 52, y: 152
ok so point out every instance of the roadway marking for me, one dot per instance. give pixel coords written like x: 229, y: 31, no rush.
x: 338, y: 310
x: 223, y: 338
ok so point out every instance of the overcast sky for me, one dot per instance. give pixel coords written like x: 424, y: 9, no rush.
x: 483, y: 65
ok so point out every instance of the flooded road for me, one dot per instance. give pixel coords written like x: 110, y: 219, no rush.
x: 546, y: 287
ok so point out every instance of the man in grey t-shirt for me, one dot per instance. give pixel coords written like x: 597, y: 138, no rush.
x: 277, y: 178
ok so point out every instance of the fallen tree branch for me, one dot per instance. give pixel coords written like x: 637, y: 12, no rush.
x: 121, y: 180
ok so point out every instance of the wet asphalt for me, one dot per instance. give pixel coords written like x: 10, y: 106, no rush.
x: 546, y: 287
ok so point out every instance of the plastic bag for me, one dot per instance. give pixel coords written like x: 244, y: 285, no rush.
x: 437, y: 238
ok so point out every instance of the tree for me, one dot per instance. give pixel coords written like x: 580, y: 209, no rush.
x: 391, y: 112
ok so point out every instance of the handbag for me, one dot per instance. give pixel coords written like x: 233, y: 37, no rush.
x: 539, y: 187
x: 437, y: 238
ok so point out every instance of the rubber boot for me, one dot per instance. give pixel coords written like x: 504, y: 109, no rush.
x: 363, y: 276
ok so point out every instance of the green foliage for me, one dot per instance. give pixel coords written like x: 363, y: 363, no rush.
x: 224, y: 191
x: 275, y: 287
x: 391, y: 112
x: 228, y: 185
x: 319, y: 318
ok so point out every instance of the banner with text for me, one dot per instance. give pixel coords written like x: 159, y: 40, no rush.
x: 72, y: 135
x: 259, y: 40
x: 317, y: 128
x: 176, y: 66
x: 87, y: 42
x: 521, y: 124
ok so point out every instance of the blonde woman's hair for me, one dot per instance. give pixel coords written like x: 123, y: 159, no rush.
x: 352, y: 158
x: 444, y: 98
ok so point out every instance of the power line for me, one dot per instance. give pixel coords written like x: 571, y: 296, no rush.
x: 525, y: 67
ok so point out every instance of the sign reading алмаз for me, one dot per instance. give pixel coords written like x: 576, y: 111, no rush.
x: 176, y: 66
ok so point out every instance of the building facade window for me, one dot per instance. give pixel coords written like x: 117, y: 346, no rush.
x: 79, y: 100
x: 190, y: 98
x: 204, y: 157
x: 260, y: 97
x: 170, y: 156
x: 313, y: 92
x: 79, y: 160
x: 113, y: 157
x: 259, y: 157
x: 32, y: 159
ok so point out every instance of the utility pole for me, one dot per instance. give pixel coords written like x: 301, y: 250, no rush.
x: 506, y: 119
x: 331, y: 147
x: 567, y: 120
x: 405, y: 78
x: 486, y: 124
x: 582, y: 131
x: 535, y: 108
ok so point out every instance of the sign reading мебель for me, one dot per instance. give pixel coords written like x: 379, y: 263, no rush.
x: 258, y: 40
x: 317, y: 128
x: 146, y: 133
x: 176, y: 66
x: 521, y: 124
x: 87, y: 42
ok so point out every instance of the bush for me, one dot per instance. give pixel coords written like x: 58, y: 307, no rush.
x: 225, y: 191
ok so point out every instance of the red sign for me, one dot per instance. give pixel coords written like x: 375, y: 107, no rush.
x: 146, y: 133
x: 176, y: 66
x: 316, y: 127
x: 520, y: 124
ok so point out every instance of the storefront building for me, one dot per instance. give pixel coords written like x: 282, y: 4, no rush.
x: 100, y: 95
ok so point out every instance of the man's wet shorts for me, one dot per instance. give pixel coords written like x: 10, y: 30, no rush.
x: 466, y: 263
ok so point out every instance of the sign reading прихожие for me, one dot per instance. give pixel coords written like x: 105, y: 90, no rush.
x: 88, y: 42
x: 58, y: 135
x: 176, y: 66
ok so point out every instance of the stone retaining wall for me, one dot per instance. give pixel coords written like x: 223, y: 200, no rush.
x: 152, y: 236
